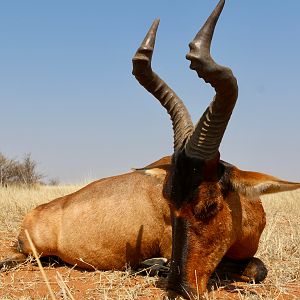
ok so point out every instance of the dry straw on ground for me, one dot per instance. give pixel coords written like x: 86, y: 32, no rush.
x: 279, y: 249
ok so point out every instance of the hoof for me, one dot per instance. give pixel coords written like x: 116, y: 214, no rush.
x: 161, y: 261
x: 255, y: 270
x: 155, y: 266
x: 252, y: 269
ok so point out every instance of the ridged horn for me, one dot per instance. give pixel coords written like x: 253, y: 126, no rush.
x: 206, y: 139
x: 181, y: 120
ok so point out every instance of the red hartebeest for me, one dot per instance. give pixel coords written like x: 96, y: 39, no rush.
x: 205, y: 208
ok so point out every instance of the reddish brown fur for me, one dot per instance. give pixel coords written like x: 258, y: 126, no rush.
x: 220, y: 218
x: 106, y: 224
x: 232, y: 230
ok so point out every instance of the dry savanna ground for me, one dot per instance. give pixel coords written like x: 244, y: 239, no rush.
x: 279, y: 249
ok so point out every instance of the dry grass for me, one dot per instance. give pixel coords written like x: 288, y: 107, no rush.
x: 279, y: 249
x: 15, y: 202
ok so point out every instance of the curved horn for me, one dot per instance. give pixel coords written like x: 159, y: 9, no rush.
x: 181, y: 120
x: 206, y: 139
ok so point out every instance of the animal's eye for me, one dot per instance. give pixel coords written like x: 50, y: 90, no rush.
x: 207, y: 210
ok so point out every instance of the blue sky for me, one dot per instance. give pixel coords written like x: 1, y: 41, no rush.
x: 67, y: 95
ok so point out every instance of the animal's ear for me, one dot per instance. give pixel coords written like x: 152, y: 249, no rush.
x: 157, y: 169
x: 253, y: 184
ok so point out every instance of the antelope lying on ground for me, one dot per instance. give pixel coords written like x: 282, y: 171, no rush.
x: 193, y: 208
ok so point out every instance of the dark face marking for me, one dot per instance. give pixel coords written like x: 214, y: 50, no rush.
x: 186, y: 176
x: 184, y: 179
x: 177, y: 277
x: 194, y: 189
